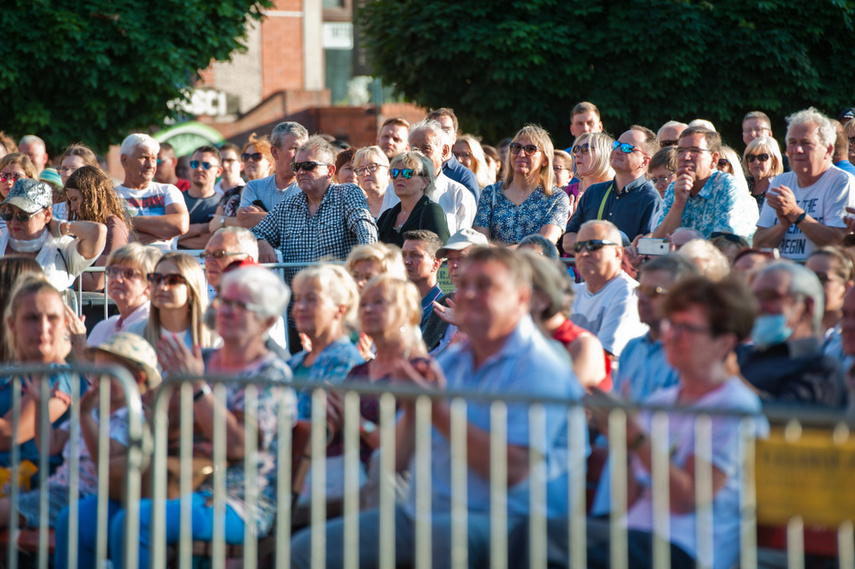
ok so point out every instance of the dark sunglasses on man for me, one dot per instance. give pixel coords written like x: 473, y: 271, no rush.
x: 307, y: 166
x: 592, y: 245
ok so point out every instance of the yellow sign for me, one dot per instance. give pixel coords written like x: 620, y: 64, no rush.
x: 443, y: 280
x: 811, y: 477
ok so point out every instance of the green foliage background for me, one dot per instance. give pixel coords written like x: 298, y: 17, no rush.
x: 92, y: 70
x: 502, y: 63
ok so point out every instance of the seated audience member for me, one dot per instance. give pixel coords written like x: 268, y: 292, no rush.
x: 729, y: 162
x: 804, y: 208
x: 628, y: 200
x: 137, y: 356
x: 178, y: 301
x: 90, y: 196
x: 393, y: 137
x: 157, y: 209
x: 232, y: 184
x: 591, y: 152
x: 841, y: 149
x: 73, y: 158
x: 324, y: 310
x: 605, y: 304
x: 710, y: 261
x: 749, y: 261
x: 201, y: 198
x: 451, y: 167
x: 344, y: 173
x: 551, y: 297
x: 585, y: 117
x: 834, y: 269
x: 11, y: 269
x: 143, y: 362
x: 413, y: 180
x: 13, y: 167
x: 168, y: 169
x: 540, y: 245
x: 562, y: 167
x: 662, y: 170
x: 422, y: 267
x: 847, y: 334
x: 468, y: 151
x: 63, y: 249
x: 761, y: 162
x: 505, y: 355
x: 669, y: 133
x: 495, y: 166
x: 526, y: 201
x: 231, y: 181
x: 786, y: 364
x: 702, y: 197
x: 250, y: 300
x: 729, y: 244
x: 681, y: 236
x: 372, y: 176
x: 35, y: 300
x: 368, y: 261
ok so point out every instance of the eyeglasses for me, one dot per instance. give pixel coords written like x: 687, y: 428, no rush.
x: 407, y: 173
x: 307, y: 166
x: 218, y: 254
x: 650, y: 291
x: 233, y: 304
x: 11, y: 176
x: 682, y: 328
x: 115, y: 272
x: 205, y: 165
x: 367, y: 169
x: 827, y: 278
x: 626, y: 147
x: 664, y: 179
x: 592, y: 245
x: 759, y: 157
x: 582, y: 149
x: 462, y: 155
x: 516, y: 148
x: 21, y: 216
x: 667, y: 143
x: 254, y: 157
x: 693, y: 150
x: 171, y: 280
x: 67, y: 170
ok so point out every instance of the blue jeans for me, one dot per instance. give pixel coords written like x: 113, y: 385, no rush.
x: 87, y: 532
x: 202, y: 527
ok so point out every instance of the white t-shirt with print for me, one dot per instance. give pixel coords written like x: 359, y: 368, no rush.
x: 152, y: 201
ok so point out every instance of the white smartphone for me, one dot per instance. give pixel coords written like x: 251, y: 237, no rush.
x: 653, y: 247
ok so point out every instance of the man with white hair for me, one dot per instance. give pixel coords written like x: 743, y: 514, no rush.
x: 34, y: 147
x: 805, y: 208
x: 459, y: 205
x: 452, y: 167
x: 669, y: 133
x: 157, y: 211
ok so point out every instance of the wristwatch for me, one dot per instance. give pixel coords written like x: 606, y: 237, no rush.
x: 203, y: 391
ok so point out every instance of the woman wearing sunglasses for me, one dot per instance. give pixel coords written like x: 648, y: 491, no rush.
x: 178, y: 300
x: 413, y: 179
x: 371, y: 167
x: 761, y: 162
x: 13, y: 167
x: 590, y: 152
x: 90, y: 196
x: 526, y: 201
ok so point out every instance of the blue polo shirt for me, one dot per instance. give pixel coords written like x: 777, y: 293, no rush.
x: 630, y: 210
x: 460, y: 173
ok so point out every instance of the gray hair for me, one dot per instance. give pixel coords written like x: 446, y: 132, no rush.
x: 322, y: 148
x: 368, y: 153
x: 247, y: 242
x: 670, y: 124
x: 288, y: 128
x: 704, y: 123
x: 614, y: 233
x: 137, y: 140
x: 434, y: 127
x: 678, y: 265
x: 715, y: 265
x: 825, y: 130
x: 803, y: 282
x: 416, y: 160
x: 30, y: 139
x: 265, y: 289
x: 540, y: 243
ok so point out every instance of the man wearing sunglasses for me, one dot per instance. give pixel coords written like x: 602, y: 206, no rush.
x: 605, y: 304
x: 702, y: 197
x: 630, y: 199
x: 201, y: 199
x: 805, y: 208
x: 262, y: 196
x: 167, y: 168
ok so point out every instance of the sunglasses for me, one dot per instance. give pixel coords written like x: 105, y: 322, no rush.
x: 592, y: 245
x: 462, y: 155
x: 254, y: 157
x: 233, y: 304
x: 407, y: 173
x: 174, y: 279
x: 218, y: 254
x: 367, y: 169
x: 723, y: 163
x: 666, y: 143
x: 21, y: 216
x: 759, y: 157
x: 126, y: 274
x: 194, y: 164
x: 11, y: 177
x: 582, y: 149
x: 516, y: 148
x: 307, y: 166
x: 650, y: 291
x: 625, y: 147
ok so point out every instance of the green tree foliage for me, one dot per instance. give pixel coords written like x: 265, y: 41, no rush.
x: 501, y: 63
x: 92, y: 70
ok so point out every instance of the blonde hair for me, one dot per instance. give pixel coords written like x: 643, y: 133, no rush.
x: 768, y: 145
x: 405, y: 297
x: 368, y: 155
x: 27, y: 284
x: 599, y: 150
x: 388, y: 255
x: 710, y: 261
x: 192, y: 272
x: 336, y: 283
x: 540, y: 138
x: 479, y: 160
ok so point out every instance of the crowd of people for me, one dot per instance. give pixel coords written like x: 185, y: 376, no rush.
x: 661, y: 267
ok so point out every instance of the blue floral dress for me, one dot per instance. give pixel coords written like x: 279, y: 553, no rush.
x: 509, y: 222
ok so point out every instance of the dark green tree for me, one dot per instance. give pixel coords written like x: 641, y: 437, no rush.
x: 503, y: 63
x: 92, y: 70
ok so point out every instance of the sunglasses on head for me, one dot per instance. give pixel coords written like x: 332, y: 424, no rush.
x: 592, y: 245
x: 173, y: 279
x: 254, y: 157
x: 516, y: 148
x: 625, y: 147
x: 21, y: 216
x: 759, y: 157
x: 205, y: 165
x: 407, y: 173
x: 307, y: 166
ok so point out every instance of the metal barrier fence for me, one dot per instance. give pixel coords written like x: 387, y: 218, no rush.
x: 275, y: 549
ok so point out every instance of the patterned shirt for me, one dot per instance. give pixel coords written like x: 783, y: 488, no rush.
x: 332, y: 365
x: 509, y: 222
x: 719, y: 206
x: 341, y: 221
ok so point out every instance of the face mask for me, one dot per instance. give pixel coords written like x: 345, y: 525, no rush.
x: 770, y: 329
x: 29, y: 245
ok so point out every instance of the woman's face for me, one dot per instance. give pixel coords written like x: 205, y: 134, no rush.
x: 235, y: 321
x: 170, y: 293
x: 376, y: 181
x: 377, y: 315
x: 759, y: 164
x: 26, y: 226
x: 493, y: 170
x: 407, y: 188
x: 314, y: 311
x: 365, y: 270
x: 562, y: 170
x: 8, y: 176
x: 345, y: 174
x: 126, y: 285
x: 689, y: 346
x: 68, y: 166
x: 524, y: 164
x: 38, y: 327
x: 582, y: 156
x: 256, y: 169
x: 75, y: 198
x: 828, y: 270
x: 463, y: 154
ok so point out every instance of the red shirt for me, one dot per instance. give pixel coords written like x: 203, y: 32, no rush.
x: 567, y: 334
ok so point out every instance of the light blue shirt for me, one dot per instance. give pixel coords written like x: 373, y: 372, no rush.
x: 526, y: 365
x: 643, y: 369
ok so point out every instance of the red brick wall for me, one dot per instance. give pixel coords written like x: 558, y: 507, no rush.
x: 282, y: 49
